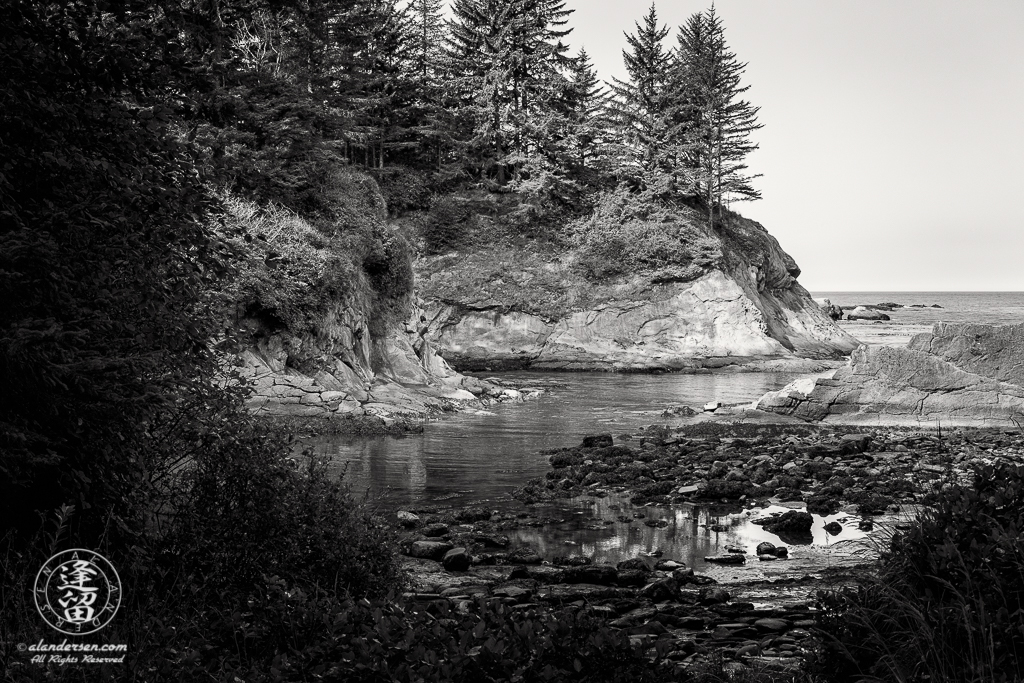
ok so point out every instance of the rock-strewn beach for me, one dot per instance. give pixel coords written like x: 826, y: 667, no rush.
x: 753, y: 611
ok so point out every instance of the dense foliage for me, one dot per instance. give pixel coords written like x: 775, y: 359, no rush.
x: 169, y: 167
x: 949, y: 602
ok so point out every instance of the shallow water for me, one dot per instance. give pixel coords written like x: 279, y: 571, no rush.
x: 465, y: 459
x: 590, y: 527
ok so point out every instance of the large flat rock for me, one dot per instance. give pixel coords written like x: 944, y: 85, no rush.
x: 958, y: 374
x: 713, y: 321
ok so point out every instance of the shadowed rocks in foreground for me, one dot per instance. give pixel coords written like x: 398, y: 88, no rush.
x: 959, y: 374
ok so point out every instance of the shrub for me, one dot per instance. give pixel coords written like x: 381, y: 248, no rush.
x: 628, y: 233
x: 248, y: 511
x: 402, y: 642
x: 449, y: 225
x: 404, y: 189
x: 949, y: 599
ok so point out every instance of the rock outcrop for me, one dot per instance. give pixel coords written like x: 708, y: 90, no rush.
x: 340, y: 372
x: 745, y: 306
x: 328, y: 316
x: 959, y: 374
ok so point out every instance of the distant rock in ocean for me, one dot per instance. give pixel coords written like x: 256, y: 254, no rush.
x: 959, y: 374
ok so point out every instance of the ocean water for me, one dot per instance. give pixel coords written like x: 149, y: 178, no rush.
x: 996, y: 308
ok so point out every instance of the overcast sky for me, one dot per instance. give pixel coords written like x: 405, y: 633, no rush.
x: 893, y: 139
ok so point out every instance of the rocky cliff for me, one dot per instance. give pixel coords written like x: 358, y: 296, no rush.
x: 739, y: 303
x: 969, y: 375
x: 343, y: 372
x: 328, y: 319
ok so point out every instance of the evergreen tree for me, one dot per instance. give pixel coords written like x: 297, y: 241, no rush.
x: 587, y: 112
x: 426, y: 35
x: 507, y: 61
x: 587, y: 117
x: 429, y: 126
x: 714, y: 120
x: 382, y: 102
x: 640, y: 104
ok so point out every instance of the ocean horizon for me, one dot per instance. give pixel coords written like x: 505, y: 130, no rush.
x: 994, y: 308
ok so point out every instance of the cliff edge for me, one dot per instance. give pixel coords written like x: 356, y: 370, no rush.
x: 327, y: 318
x: 630, y: 294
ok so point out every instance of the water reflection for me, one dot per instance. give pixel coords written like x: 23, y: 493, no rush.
x: 593, y: 527
x: 472, y: 458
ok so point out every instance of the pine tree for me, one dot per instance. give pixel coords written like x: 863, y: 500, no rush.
x: 640, y: 103
x: 426, y: 35
x: 587, y: 114
x: 507, y: 61
x: 715, y: 122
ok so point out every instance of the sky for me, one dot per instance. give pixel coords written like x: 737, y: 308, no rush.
x: 892, y: 151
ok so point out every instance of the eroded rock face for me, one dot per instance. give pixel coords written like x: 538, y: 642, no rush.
x: 340, y: 371
x: 749, y: 307
x: 959, y: 374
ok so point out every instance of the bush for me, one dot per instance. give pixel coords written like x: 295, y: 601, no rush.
x: 449, y: 225
x: 393, y: 641
x: 248, y: 511
x: 404, y: 189
x: 628, y: 233
x: 949, y: 599
x: 291, y: 274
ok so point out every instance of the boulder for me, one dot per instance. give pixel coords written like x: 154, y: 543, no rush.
x: 470, y: 515
x: 407, y: 519
x: 456, y: 560
x: 956, y: 375
x: 632, y: 577
x: 862, y: 313
x: 790, y: 522
x: 726, y: 559
x: 601, y: 574
x: 713, y: 595
x: 660, y: 590
x: 597, y: 441
x: 771, y: 625
x: 435, y: 530
x: 834, y: 528
x: 831, y: 310
x: 491, y: 540
x: 766, y: 548
x: 430, y: 550
x: 667, y: 565
x: 523, y: 556
x: 637, y: 563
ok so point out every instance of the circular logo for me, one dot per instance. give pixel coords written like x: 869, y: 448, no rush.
x: 77, y: 592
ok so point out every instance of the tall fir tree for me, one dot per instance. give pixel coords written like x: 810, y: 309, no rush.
x: 588, y: 111
x: 640, y: 104
x: 507, y: 62
x: 426, y: 36
x: 714, y: 119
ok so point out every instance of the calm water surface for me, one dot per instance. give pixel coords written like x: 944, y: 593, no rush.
x: 469, y: 458
x: 481, y: 458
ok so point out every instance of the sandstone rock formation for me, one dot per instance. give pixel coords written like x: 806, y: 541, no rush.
x: 340, y: 372
x: 746, y: 306
x: 959, y: 374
